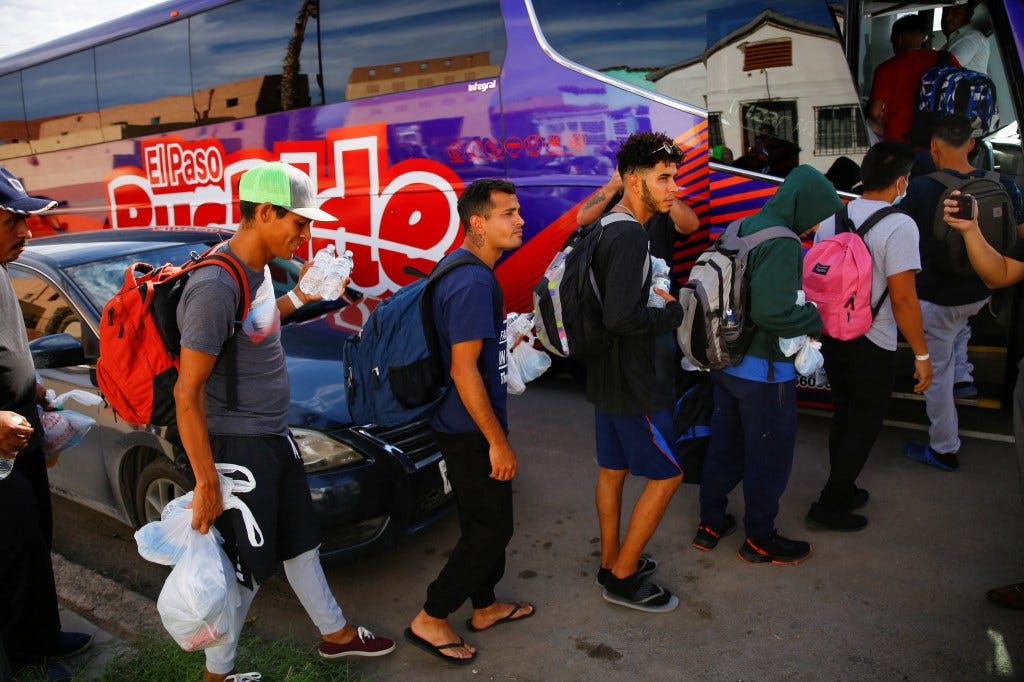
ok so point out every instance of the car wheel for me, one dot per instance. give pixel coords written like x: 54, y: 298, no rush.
x: 158, y: 484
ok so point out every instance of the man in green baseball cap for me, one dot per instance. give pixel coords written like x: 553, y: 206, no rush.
x: 277, y: 202
x: 282, y: 185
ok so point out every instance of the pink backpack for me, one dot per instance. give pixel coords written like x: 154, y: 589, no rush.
x: 837, y: 277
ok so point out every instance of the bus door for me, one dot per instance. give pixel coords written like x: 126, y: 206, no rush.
x: 996, y: 336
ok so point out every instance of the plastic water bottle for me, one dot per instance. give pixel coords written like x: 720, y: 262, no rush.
x: 314, y: 277
x: 334, y: 280
x: 730, y: 331
x: 7, y: 463
x: 659, y: 280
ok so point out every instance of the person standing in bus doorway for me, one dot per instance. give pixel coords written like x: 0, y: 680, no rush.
x: 861, y: 370
x: 963, y: 41
x: 753, y: 426
x: 997, y: 271
x: 947, y: 301
x: 277, y: 203
x: 896, y: 81
x: 631, y: 384
x: 471, y: 426
x: 29, y: 618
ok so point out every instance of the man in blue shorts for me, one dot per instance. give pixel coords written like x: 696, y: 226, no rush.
x: 471, y: 425
x: 632, y: 383
x: 277, y: 202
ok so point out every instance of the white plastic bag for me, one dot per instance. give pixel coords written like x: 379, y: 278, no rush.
x: 809, y: 359
x: 199, y: 599
x: 64, y: 429
x: 790, y: 347
x: 525, y: 363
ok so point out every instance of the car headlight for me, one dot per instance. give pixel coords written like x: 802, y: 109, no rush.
x: 319, y: 451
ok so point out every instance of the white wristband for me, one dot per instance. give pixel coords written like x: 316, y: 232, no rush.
x: 294, y: 298
x: 922, y: 358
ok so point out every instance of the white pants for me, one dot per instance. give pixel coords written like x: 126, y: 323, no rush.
x: 943, y: 325
x: 306, y: 576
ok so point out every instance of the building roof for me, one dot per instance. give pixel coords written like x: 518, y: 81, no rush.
x: 768, y: 16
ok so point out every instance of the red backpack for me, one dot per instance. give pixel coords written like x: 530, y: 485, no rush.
x: 140, y: 342
x: 837, y: 277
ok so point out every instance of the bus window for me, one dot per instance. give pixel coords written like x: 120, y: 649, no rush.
x: 772, y: 75
x: 143, y: 83
x: 60, y: 103
x: 13, y: 132
x: 252, y: 58
x: 391, y: 46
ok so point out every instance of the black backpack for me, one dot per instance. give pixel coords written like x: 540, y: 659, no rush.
x: 995, y: 217
x: 567, y: 301
x: 692, y: 421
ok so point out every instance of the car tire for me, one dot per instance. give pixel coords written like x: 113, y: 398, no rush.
x: 159, y: 483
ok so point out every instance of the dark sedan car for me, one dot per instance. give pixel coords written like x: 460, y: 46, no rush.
x: 370, y: 486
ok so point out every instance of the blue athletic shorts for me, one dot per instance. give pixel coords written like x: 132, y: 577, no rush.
x: 641, y: 444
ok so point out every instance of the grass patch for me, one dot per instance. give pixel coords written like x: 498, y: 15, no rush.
x: 158, y: 659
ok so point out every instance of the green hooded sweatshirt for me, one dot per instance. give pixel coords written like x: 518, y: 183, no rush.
x: 803, y: 200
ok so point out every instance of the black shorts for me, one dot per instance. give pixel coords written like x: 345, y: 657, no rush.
x: 280, y: 502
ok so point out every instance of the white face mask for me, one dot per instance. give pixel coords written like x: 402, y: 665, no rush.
x: 900, y: 197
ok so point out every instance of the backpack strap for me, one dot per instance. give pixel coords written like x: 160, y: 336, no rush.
x: 600, y: 224
x: 440, y: 269
x: 215, y: 256
x: 951, y: 181
x: 843, y: 223
x: 767, y: 234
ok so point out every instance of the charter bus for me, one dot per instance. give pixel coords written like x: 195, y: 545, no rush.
x: 393, y: 107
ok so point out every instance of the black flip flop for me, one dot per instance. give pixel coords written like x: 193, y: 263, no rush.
x: 506, y: 619
x: 438, y: 650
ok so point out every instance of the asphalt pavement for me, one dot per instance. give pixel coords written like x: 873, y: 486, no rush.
x: 900, y: 600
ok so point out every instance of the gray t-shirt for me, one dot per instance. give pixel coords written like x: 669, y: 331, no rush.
x: 206, y: 317
x: 892, y: 244
x: 17, y: 374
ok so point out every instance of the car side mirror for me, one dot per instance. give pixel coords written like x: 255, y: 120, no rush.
x: 56, y: 351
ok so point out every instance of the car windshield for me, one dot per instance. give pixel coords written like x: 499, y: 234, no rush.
x: 101, y: 279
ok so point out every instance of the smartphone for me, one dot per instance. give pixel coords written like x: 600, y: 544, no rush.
x: 965, y: 210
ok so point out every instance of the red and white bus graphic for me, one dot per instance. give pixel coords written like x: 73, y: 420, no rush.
x: 389, y: 216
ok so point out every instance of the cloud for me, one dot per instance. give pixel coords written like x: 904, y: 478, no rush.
x: 28, y: 23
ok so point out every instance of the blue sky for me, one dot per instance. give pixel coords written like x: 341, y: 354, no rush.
x: 28, y: 23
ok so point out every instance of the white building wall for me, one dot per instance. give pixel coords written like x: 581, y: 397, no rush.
x: 818, y: 77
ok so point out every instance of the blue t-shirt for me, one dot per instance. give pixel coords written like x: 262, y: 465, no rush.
x: 468, y: 305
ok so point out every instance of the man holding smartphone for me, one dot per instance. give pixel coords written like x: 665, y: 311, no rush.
x: 947, y: 301
x: 996, y: 271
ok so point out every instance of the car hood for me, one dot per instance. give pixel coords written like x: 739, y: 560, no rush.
x: 317, y: 373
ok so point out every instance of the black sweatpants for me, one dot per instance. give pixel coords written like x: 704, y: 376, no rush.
x: 860, y: 375
x: 29, y: 621
x: 485, y: 517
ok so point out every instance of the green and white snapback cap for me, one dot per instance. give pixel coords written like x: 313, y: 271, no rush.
x: 282, y: 185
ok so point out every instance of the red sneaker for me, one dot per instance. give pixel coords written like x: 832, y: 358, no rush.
x: 363, y: 644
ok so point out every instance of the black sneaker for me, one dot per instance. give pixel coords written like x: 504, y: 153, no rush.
x: 834, y: 519
x: 644, y: 567
x: 639, y: 593
x: 860, y: 498
x: 70, y: 644
x: 774, y: 549
x: 708, y: 537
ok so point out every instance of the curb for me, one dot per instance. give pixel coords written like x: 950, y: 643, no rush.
x: 99, y: 599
